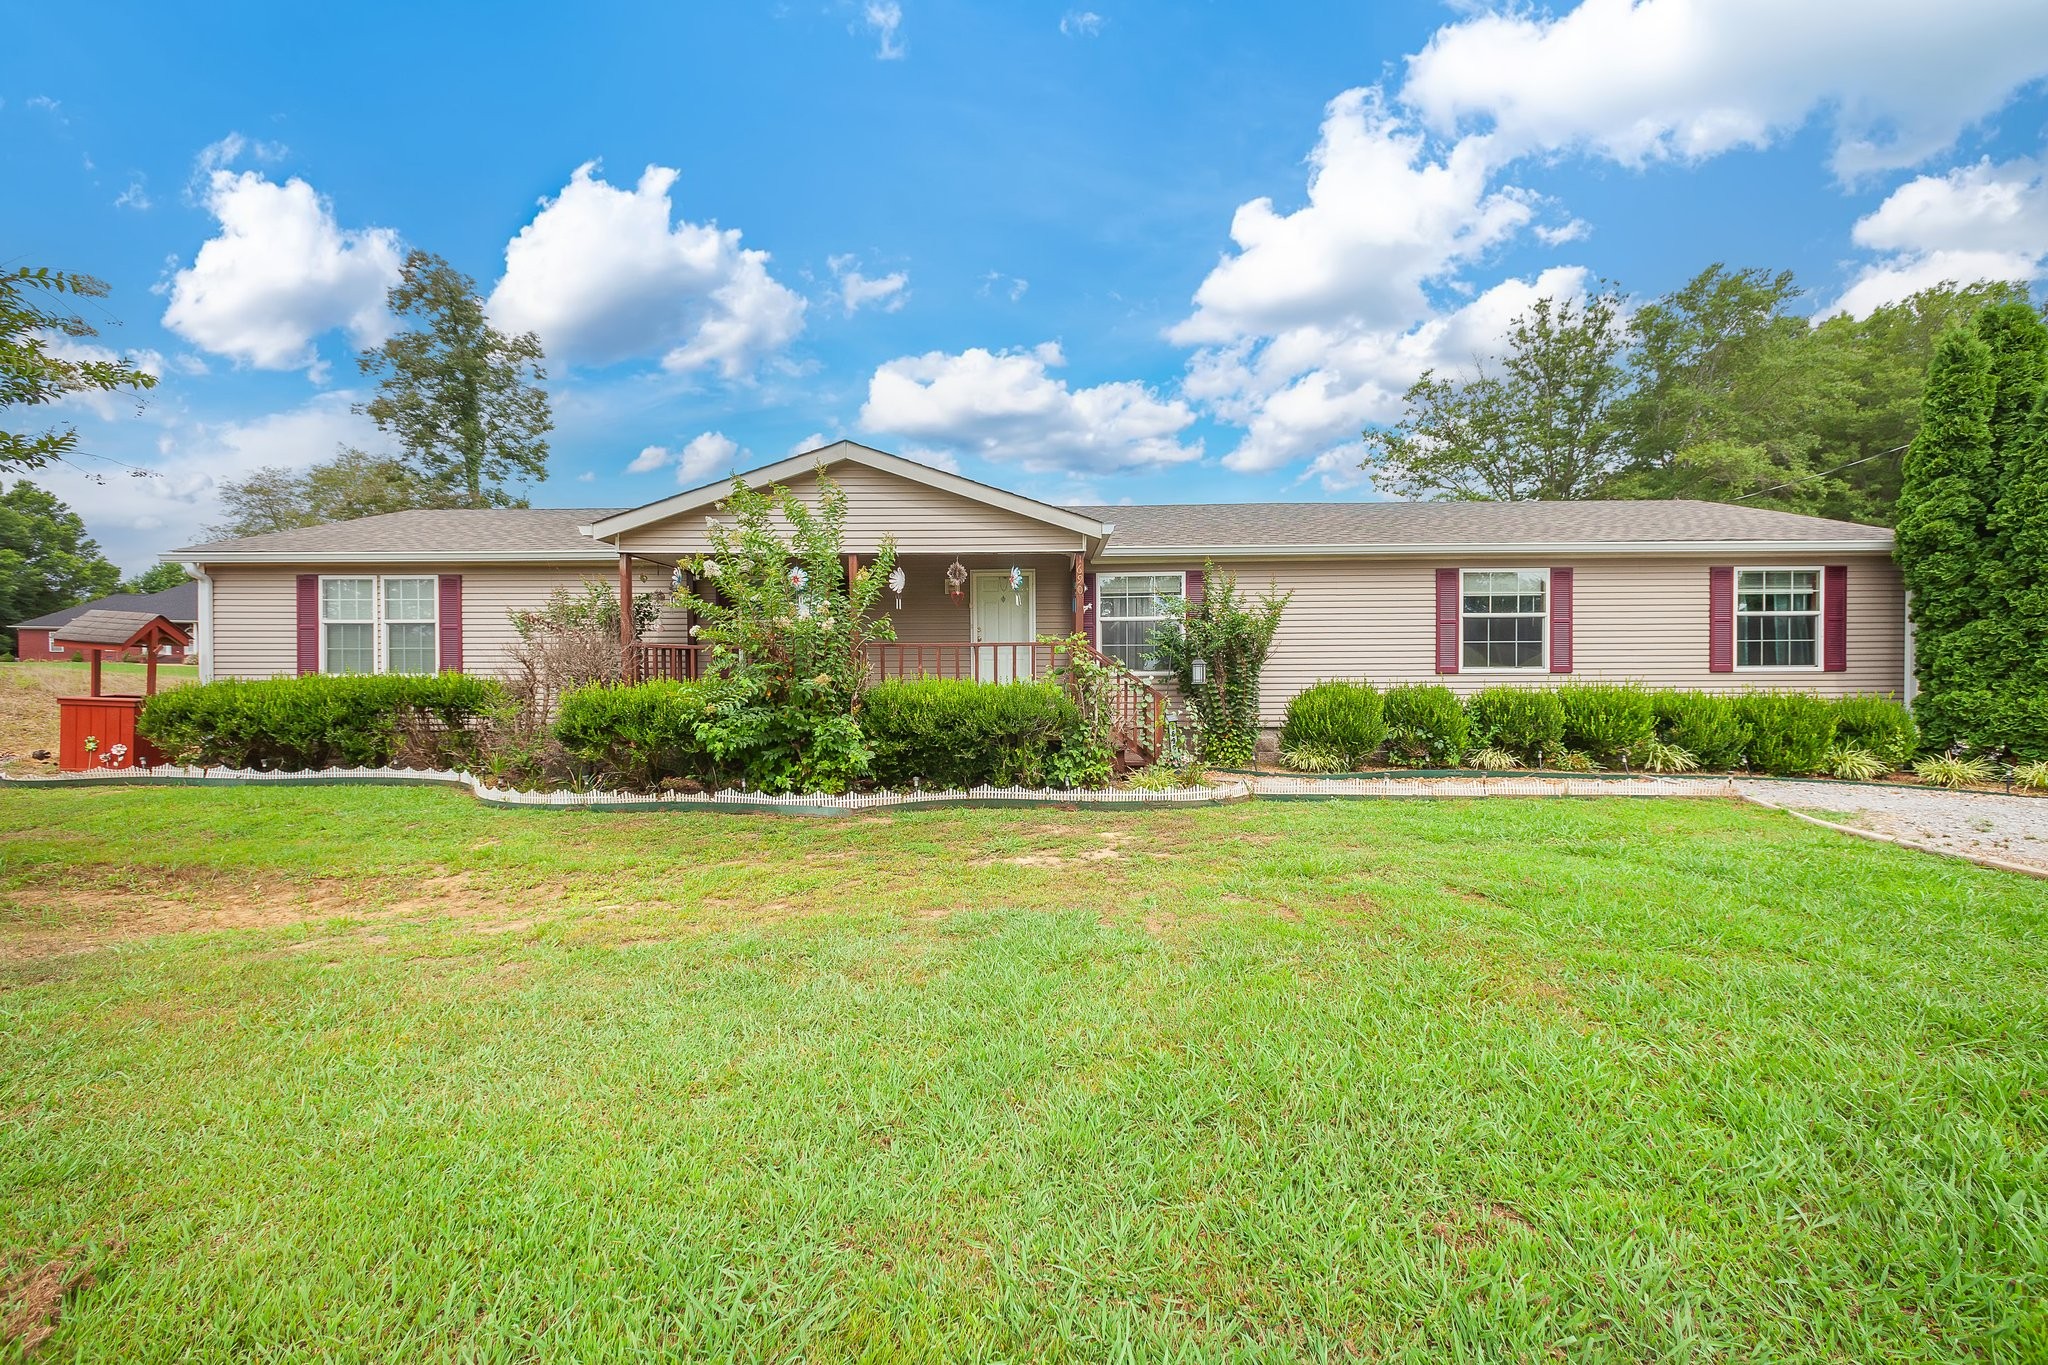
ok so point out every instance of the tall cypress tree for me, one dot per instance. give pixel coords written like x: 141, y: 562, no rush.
x: 2019, y: 370
x: 1941, y: 533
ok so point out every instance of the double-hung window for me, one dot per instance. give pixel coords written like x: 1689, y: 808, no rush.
x: 379, y: 625
x: 1129, y: 607
x: 1504, y: 613
x: 1777, y: 618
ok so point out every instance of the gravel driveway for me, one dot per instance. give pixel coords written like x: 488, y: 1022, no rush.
x: 2013, y: 829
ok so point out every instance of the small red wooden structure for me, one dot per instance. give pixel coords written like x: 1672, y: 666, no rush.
x: 98, y: 731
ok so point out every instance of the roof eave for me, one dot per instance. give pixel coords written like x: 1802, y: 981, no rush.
x: 1532, y: 547
x: 199, y: 554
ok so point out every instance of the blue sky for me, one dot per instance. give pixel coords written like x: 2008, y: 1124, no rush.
x: 1093, y: 253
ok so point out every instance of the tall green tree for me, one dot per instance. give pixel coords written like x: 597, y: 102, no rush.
x: 463, y: 400
x: 352, y: 484
x: 155, y: 578
x: 37, y: 330
x: 1940, y: 541
x: 1543, y: 422
x: 46, y: 559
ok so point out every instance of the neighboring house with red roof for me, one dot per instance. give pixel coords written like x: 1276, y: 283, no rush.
x: 32, y: 638
x: 1679, y: 594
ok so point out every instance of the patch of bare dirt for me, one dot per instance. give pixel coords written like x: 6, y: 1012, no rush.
x: 34, y: 1299
x: 1481, y: 1225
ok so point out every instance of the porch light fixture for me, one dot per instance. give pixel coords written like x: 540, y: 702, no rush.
x: 1200, y: 672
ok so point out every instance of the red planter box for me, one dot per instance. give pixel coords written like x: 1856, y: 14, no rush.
x: 98, y: 733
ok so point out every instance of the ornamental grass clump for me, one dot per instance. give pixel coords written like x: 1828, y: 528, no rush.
x: 1955, y: 771
x: 1343, y: 723
x: 1854, y: 763
x: 1526, y: 723
x: 1426, y: 727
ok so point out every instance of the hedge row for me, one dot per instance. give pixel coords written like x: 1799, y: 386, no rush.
x: 938, y: 732
x: 321, y: 721
x: 1342, y: 725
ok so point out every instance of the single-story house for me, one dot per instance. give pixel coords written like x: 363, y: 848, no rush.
x: 1683, y: 594
x: 180, y: 605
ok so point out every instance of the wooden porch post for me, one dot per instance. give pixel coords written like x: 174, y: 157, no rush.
x: 852, y: 568
x: 1080, y: 592
x: 149, y: 671
x: 625, y: 599
x: 97, y: 655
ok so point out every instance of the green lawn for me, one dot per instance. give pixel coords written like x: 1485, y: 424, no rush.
x: 387, y: 1074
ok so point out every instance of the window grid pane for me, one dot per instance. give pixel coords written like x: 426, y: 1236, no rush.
x: 1129, y: 607
x: 409, y: 647
x: 351, y: 648
x: 1777, y: 618
x: 348, y: 599
x: 1505, y: 614
x: 408, y: 599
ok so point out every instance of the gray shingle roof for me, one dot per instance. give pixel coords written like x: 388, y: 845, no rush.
x: 180, y: 604
x: 1391, y: 525
x: 435, y: 533
x: 102, y: 627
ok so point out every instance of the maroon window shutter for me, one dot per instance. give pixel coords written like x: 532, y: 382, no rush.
x: 1560, y: 620
x: 1834, y: 613
x: 309, y: 623
x: 1720, y: 619
x: 1088, y: 612
x: 451, y: 623
x: 1198, y: 587
x: 1447, y: 620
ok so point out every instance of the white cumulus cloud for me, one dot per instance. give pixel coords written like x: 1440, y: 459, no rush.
x: 885, y: 17
x: 603, y: 275
x: 1081, y: 23
x: 701, y: 459
x: 857, y: 291
x: 1004, y: 407
x: 1646, y: 80
x: 1982, y: 222
x: 280, y: 272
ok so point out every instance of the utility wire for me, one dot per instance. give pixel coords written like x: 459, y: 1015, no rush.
x: 1825, y: 473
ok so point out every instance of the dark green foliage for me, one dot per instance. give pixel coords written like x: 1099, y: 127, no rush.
x: 1943, y: 530
x: 2018, y: 343
x: 1528, y: 722
x: 1426, y: 727
x: 321, y: 721
x: 1345, y: 719
x: 1232, y: 635
x: 945, y: 732
x: 1882, y: 725
x: 1704, y: 724
x: 1606, y: 720
x: 635, y: 737
x: 156, y: 578
x: 41, y: 361
x: 46, y: 559
x: 1789, y: 732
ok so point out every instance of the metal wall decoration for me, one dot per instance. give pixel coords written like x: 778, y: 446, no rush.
x: 956, y: 580
x: 896, y: 582
x: 1017, y: 583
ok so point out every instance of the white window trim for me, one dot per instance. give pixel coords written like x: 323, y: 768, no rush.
x: 1820, y: 619
x: 1544, y: 666
x: 380, y: 640
x: 1101, y: 593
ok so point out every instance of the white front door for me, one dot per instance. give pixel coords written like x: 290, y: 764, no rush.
x: 1002, y: 614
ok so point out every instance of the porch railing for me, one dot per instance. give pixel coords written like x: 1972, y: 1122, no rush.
x: 1137, y: 711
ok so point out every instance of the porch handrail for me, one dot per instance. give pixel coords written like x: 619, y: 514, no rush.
x: 1137, y: 708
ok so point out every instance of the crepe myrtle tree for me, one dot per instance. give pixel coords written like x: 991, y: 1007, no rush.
x: 1216, y: 649
x: 788, y: 635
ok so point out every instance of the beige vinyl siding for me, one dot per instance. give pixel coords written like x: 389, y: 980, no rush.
x: 1641, y: 618
x: 930, y: 617
x: 255, y: 610
x: 923, y: 520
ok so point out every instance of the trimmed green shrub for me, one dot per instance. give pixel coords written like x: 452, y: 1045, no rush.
x: 946, y: 732
x: 1344, y: 719
x: 1704, y: 724
x: 322, y: 721
x: 1881, y: 725
x: 635, y: 737
x: 1527, y: 722
x: 1606, y: 720
x: 1789, y: 732
x: 1426, y: 727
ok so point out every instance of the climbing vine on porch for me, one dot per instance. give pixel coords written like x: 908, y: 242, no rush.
x: 1229, y: 635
